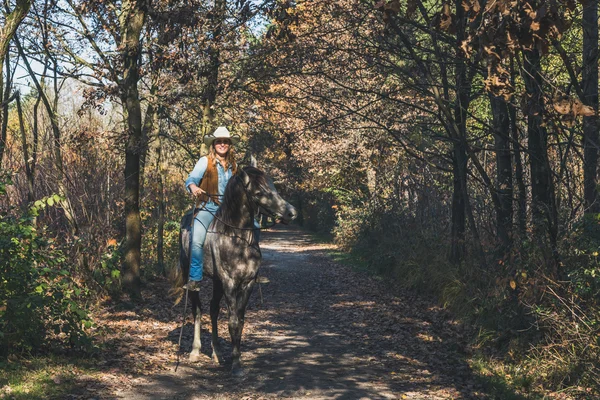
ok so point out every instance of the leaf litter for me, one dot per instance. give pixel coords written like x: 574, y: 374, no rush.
x: 323, y: 331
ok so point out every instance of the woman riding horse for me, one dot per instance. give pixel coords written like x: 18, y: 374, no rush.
x: 232, y: 255
x: 207, y: 183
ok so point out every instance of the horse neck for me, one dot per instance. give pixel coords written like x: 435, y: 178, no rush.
x: 236, y: 214
x: 242, y: 218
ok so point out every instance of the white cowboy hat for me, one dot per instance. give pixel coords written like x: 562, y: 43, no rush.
x: 220, y: 133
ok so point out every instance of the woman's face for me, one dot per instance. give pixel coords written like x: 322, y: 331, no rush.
x: 222, y: 146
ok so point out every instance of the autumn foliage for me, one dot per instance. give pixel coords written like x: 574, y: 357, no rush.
x: 449, y: 146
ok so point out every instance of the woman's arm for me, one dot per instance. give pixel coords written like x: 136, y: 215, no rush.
x: 194, y: 178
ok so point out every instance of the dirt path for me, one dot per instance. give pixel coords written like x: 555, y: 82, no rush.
x: 322, y: 332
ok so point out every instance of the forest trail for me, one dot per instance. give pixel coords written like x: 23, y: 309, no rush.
x: 323, y: 331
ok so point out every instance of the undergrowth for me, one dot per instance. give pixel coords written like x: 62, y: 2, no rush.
x: 41, y: 302
x: 532, y: 333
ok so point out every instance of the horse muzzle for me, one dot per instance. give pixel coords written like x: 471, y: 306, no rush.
x: 288, y: 215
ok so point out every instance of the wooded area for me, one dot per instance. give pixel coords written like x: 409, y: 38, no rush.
x: 451, y: 146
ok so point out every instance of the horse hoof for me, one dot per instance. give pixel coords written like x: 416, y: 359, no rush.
x: 238, y: 371
x: 194, y: 358
x: 216, y: 358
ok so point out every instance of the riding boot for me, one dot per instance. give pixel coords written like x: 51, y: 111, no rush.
x: 192, y: 286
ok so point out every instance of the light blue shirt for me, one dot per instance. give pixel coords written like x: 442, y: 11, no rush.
x: 198, y: 173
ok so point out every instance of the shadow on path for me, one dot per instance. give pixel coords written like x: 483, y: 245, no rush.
x: 323, y: 331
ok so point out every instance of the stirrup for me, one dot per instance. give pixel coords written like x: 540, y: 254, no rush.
x: 192, y: 286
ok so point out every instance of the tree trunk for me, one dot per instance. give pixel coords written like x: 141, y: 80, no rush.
x: 458, y: 225
x: 162, y: 208
x: 504, y: 212
x: 5, y: 102
x: 7, y: 32
x: 459, y: 135
x: 148, y: 127
x: 28, y: 171
x: 589, y: 85
x: 132, y: 19
x: 519, y: 174
x: 214, y: 52
x: 543, y: 208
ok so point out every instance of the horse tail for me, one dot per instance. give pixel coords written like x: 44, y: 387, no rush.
x: 178, y: 276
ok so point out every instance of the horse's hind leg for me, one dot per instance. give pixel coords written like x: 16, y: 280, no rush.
x: 215, y: 306
x: 197, y: 312
x: 237, y: 302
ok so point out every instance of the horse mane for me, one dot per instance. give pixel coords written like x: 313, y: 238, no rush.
x: 235, y: 195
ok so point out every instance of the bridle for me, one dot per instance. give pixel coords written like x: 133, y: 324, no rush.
x: 260, y: 210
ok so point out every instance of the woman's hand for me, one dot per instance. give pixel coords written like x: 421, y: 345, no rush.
x: 196, y: 191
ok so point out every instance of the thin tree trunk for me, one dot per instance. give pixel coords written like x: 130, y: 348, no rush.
x: 210, y: 94
x: 504, y: 213
x: 5, y: 102
x: 519, y: 175
x: 148, y: 127
x: 26, y: 161
x: 132, y: 19
x: 589, y: 84
x: 544, y: 216
x: 519, y: 171
x: 461, y: 105
x: 36, y: 135
x: 11, y: 22
x: 458, y: 225
x: 160, y: 257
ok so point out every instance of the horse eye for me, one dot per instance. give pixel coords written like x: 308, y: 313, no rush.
x: 257, y: 193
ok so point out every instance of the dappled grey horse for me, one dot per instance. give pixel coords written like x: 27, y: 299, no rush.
x: 232, y: 255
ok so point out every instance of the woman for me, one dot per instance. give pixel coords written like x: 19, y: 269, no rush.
x: 207, y: 182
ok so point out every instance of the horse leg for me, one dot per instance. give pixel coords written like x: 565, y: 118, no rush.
x: 237, y: 310
x: 215, y: 306
x: 197, y: 312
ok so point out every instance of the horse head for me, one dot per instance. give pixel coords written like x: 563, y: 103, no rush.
x: 262, y: 192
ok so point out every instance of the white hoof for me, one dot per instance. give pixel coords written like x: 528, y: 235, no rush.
x: 194, y: 357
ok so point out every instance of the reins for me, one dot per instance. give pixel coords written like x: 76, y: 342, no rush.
x: 235, y: 227
x: 229, y: 225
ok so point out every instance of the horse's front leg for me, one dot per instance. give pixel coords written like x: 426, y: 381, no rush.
x: 237, y: 310
x: 197, y: 312
x: 215, y: 307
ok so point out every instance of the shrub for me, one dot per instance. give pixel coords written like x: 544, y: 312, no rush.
x: 39, y: 299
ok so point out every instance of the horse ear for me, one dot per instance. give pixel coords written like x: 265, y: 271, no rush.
x: 245, y: 177
x: 253, y: 162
